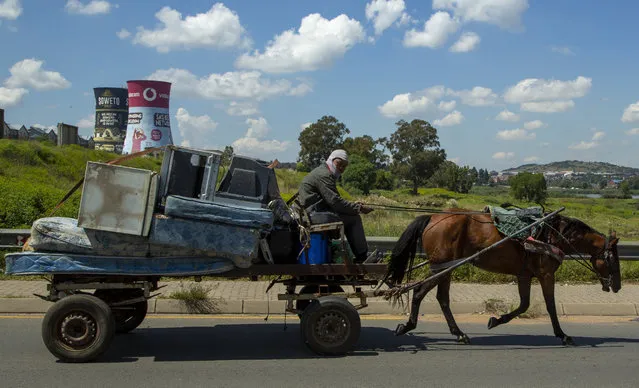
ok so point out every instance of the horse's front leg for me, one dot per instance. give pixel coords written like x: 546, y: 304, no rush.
x: 443, y: 297
x: 547, y: 282
x: 523, y: 284
x: 418, y: 295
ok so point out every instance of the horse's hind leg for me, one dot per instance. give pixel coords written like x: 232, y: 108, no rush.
x: 523, y: 284
x: 547, y: 282
x: 418, y: 295
x: 443, y: 297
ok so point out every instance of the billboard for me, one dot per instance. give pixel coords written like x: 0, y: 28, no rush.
x: 148, y: 122
x: 111, y: 112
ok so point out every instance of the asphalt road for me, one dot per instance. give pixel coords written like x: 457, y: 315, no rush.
x: 248, y: 352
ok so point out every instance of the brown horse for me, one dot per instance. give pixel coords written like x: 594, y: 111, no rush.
x: 447, y: 237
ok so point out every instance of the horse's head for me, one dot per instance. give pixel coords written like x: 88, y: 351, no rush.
x: 606, y: 263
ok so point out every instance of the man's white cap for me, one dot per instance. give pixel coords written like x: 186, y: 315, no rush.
x: 338, y: 154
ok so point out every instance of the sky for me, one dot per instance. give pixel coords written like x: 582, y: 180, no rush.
x: 505, y: 82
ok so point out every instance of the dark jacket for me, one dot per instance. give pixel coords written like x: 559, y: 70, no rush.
x: 319, y: 188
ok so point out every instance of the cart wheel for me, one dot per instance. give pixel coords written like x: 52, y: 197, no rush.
x: 126, y: 317
x: 78, y: 328
x: 331, y: 326
x: 312, y: 289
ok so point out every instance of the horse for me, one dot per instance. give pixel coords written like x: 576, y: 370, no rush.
x: 460, y: 233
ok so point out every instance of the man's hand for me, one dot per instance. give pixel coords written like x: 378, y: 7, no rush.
x: 364, y: 209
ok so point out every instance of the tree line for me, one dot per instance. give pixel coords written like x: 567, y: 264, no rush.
x: 411, y: 157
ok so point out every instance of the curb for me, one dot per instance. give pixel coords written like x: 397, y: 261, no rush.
x: 173, y: 306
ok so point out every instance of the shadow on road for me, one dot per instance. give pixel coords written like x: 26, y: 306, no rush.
x: 271, y: 341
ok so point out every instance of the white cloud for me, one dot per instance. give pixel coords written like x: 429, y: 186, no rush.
x: 453, y: 118
x: 562, y: 50
x: 503, y: 13
x: 503, y: 155
x: 534, y: 89
x: 94, y: 7
x: 29, y: 73
x: 547, y: 106
x: 633, y: 131
x: 305, y: 125
x: 195, y: 129
x: 253, y: 141
x: 317, y: 44
x: 87, y: 122
x: 535, y: 124
x: 219, y: 27
x: 531, y: 159
x: 435, y: 33
x: 598, y: 136
x: 10, y: 9
x: 467, y: 42
x: 447, y: 106
x: 506, y: 115
x: 242, y: 109
x: 11, y: 96
x: 516, y: 134
x: 631, y: 113
x: 583, y: 145
x: 384, y: 13
x: 477, y: 96
x: 45, y: 127
x: 411, y: 103
x: 258, y: 128
x: 123, y: 33
x: 230, y: 85
x: 457, y: 161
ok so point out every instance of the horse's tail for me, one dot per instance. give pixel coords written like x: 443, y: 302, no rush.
x: 405, y: 249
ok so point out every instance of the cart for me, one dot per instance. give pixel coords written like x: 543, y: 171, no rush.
x: 135, y: 227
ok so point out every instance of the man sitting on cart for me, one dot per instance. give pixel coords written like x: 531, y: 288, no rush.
x: 318, y: 195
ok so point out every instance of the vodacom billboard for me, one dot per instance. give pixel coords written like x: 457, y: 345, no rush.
x: 148, y: 122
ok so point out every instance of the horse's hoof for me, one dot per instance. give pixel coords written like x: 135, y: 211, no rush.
x: 492, y: 322
x: 567, y: 341
x: 401, y: 329
x: 463, y: 339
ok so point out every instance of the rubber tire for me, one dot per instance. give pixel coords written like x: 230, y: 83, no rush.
x: 312, y: 289
x: 330, y: 304
x: 124, y: 322
x: 99, y: 312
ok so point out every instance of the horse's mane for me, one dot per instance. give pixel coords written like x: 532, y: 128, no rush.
x: 576, y: 225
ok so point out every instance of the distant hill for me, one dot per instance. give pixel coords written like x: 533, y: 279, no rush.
x: 576, y: 166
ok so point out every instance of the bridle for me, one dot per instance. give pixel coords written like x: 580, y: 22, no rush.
x: 608, y: 257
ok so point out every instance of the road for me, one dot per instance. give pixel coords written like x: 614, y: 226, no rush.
x: 192, y: 351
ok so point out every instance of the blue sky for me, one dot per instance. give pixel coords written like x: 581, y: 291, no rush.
x: 505, y: 82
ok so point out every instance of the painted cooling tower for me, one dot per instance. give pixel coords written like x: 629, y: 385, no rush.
x: 149, y: 121
x: 111, y: 111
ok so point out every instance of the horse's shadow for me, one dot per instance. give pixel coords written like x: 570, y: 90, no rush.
x: 271, y: 341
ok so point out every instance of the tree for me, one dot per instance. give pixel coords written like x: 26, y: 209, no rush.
x: 360, y: 174
x: 384, y: 180
x: 624, y: 187
x: 454, y: 178
x: 367, y: 147
x: 528, y: 186
x: 319, y: 139
x: 415, y: 150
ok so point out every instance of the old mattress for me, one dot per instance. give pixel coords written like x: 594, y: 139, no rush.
x: 36, y: 263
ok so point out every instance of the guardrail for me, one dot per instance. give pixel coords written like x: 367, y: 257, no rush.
x: 11, y: 239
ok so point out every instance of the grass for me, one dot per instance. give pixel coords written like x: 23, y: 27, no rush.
x: 195, y: 298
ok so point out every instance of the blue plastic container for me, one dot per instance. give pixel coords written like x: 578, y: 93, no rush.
x: 319, y: 252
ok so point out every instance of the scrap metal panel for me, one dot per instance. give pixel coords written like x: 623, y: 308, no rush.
x: 117, y: 199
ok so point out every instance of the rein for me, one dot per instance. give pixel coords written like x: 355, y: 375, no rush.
x: 420, y: 209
